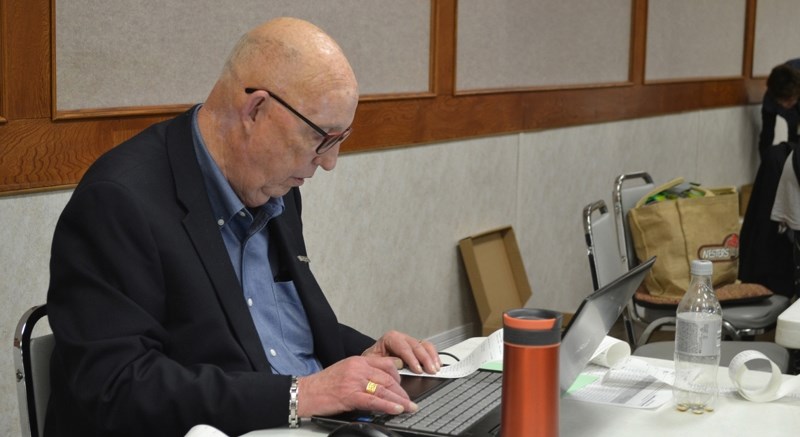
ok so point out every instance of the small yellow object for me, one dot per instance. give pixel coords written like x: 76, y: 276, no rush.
x: 371, y: 387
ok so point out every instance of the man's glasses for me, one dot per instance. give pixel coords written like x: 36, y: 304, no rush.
x: 328, y: 140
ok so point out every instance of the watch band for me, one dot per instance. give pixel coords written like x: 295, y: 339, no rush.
x: 294, y: 419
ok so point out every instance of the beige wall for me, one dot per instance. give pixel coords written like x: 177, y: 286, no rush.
x: 382, y: 229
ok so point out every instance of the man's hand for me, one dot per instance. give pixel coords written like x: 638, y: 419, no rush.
x: 343, y: 387
x: 418, y: 355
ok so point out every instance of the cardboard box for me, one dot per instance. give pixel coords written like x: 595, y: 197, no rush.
x: 496, y: 275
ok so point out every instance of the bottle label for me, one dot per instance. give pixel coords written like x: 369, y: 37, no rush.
x: 698, y: 334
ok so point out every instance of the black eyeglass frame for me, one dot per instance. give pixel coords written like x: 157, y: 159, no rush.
x: 328, y: 140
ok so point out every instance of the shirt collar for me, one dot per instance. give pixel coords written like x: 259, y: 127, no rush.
x: 224, y: 201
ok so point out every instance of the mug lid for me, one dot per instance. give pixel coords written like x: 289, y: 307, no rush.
x: 530, y: 319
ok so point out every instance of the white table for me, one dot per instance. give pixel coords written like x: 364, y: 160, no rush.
x: 733, y: 417
x: 787, y: 331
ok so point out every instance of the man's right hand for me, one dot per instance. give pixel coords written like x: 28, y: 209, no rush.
x: 343, y: 387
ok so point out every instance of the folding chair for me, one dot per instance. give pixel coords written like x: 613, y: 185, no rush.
x: 32, y: 364
x: 741, y: 321
x: 623, y: 200
x: 606, y: 264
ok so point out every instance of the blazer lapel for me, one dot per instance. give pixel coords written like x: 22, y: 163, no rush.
x: 199, y: 224
x: 285, y: 231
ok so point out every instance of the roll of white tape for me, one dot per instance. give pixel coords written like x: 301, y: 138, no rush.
x: 774, y: 389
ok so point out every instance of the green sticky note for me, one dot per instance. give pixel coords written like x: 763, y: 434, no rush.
x: 496, y: 365
x: 581, y: 382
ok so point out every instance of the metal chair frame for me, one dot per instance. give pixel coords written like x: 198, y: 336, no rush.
x: 602, y: 251
x: 31, y: 362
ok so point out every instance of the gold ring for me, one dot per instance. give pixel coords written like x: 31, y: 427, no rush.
x: 371, y: 387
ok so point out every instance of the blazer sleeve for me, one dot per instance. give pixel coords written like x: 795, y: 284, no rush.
x: 121, y: 363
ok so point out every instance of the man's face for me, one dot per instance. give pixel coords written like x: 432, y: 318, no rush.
x: 280, y: 150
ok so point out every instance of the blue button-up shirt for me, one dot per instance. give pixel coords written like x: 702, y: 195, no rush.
x: 277, y: 312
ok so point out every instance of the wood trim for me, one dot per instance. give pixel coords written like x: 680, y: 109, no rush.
x: 3, y: 57
x: 53, y: 71
x: 755, y: 86
x: 749, y: 38
x: 38, y: 153
x: 27, y: 46
x: 638, y: 41
x: 43, y: 149
x: 564, y: 87
x: 122, y: 112
x: 156, y: 110
x: 692, y: 79
x: 443, y: 52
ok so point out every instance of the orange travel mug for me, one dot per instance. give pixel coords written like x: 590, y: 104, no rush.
x: 531, y: 394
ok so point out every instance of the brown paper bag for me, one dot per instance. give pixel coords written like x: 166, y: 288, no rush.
x: 681, y: 230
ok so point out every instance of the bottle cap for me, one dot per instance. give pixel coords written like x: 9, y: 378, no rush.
x: 702, y: 267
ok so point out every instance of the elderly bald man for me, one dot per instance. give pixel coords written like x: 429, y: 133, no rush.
x: 180, y: 288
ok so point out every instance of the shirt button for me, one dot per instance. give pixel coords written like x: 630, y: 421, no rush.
x: 272, y: 352
x: 241, y: 214
x: 220, y: 222
x: 249, y: 302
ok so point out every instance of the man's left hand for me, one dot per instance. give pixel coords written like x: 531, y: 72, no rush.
x: 418, y: 355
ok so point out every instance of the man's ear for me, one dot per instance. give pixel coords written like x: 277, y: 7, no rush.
x: 255, y: 103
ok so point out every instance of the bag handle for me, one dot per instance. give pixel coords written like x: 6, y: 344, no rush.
x: 666, y: 186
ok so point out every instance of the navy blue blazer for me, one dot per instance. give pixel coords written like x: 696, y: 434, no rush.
x: 152, y: 331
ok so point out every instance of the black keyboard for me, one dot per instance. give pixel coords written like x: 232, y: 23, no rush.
x: 456, y: 406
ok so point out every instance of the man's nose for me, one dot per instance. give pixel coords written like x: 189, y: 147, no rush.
x: 328, y: 159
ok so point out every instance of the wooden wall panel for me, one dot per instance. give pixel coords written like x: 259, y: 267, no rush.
x: 39, y: 152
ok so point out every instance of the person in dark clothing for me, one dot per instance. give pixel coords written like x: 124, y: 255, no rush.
x: 181, y: 292
x: 765, y: 253
x: 780, y: 100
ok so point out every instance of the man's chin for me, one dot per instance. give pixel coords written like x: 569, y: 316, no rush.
x: 263, y: 197
x: 279, y: 191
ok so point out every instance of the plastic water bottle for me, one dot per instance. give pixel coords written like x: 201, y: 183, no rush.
x: 698, y: 335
